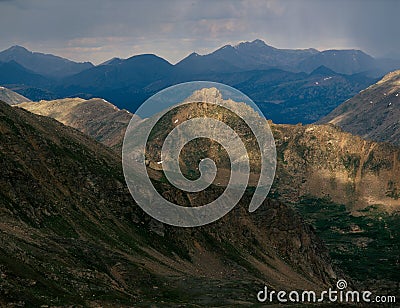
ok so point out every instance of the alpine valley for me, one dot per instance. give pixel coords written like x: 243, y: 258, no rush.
x: 72, y: 236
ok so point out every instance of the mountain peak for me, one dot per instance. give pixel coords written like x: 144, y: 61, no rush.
x: 146, y: 56
x: 112, y: 61
x: 18, y: 48
x: 258, y: 42
x: 255, y: 43
x: 206, y: 94
x: 323, y: 70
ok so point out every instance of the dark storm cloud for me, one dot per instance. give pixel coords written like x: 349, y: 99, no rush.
x: 97, y: 29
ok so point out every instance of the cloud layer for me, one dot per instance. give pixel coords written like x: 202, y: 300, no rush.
x: 96, y: 30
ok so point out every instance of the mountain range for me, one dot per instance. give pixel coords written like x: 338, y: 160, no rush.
x: 308, y: 155
x: 290, y: 86
x: 257, y: 55
x: 71, y: 235
x: 64, y: 192
x: 322, y: 171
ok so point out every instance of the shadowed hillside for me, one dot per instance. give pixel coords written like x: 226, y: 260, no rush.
x: 71, y: 233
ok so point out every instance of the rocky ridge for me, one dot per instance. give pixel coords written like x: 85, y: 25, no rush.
x: 374, y: 113
x: 72, y: 235
x: 95, y: 117
x: 10, y: 97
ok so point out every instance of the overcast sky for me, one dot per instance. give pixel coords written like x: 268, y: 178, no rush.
x: 97, y: 30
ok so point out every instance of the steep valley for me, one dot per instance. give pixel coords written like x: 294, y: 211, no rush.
x: 72, y: 235
x: 347, y: 187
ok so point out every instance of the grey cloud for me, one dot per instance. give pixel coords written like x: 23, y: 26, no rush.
x: 98, y: 29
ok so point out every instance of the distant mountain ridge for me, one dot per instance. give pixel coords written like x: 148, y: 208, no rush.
x: 138, y: 70
x: 44, y: 64
x: 290, y: 86
x: 340, y: 61
x: 257, y: 55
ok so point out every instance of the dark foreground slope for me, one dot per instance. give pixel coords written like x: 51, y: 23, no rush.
x: 71, y: 234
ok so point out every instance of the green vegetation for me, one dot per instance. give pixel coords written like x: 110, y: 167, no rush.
x: 366, y: 246
x: 392, y: 190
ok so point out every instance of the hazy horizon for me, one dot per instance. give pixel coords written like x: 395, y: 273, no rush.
x: 97, y: 31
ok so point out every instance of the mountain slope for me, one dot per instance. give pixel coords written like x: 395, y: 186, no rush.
x: 291, y: 98
x: 72, y: 235
x: 11, y: 97
x: 353, y: 171
x: 341, y: 61
x: 347, y: 187
x: 44, y: 64
x: 325, y: 162
x: 14, y: 73
x: 95, y: 117
x: 136, y: 71
x: 373, y: 113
